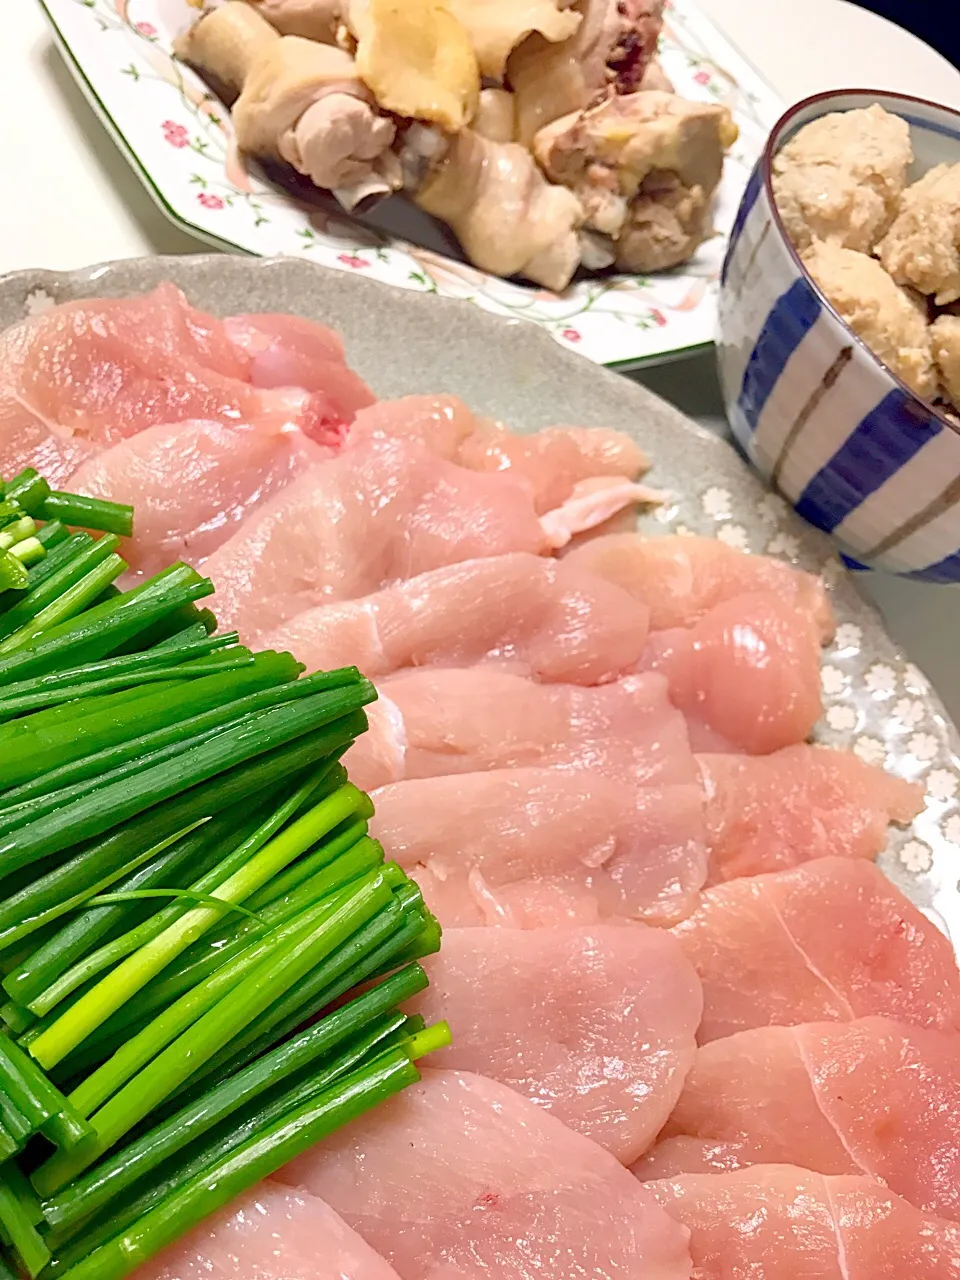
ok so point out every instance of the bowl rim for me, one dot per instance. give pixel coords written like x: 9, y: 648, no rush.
x: 771, y: 149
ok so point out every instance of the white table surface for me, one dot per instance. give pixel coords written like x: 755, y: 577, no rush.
x: 76, y: 202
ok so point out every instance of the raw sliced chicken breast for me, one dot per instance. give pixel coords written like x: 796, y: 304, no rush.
x: 551, y: 461
x: 459, y: 1178
x: 593, y: 504
x: 783, y: 1223
x: 749, y: 671
x: 832, y: 940
x: 533, y: 615
x: 681, y: 579
x: 193, y: 482
x: 873, y: 1097
x: 272, y: 1233
x: 289, y: 351
x: 595, y: 1024
x: 358, y: 522
x: 440, y: 721
x: 90, y: 373
x: 525, y: 848
x: 804, y: 802
x: 680, y: 1157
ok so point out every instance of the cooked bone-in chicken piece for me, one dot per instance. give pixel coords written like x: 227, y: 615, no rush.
x: 611, y: 49
x: 223, y: 45
x: 667, y: 223
x: 509, y: 219
x: 304, y: 103
x: 945, y: 344
x: 644, y: 167
x: 841, y: 177
x: 313, y: 19
x: 922, y: 247
x: 496, y: 27
x: 496, y: 116
x: 891, y: 321
x: 417, y: 59
x: 656, y: 78
x: 299, y: 101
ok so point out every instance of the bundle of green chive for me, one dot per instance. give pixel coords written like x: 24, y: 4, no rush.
x: 186, y: 882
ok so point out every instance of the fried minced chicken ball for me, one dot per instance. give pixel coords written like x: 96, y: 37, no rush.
x: 945, y: 345
x: 841, y: 177
x: 644, y: 167
x: 922, y: 247
x: 890, y: 320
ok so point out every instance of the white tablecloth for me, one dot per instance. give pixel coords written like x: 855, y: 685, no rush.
x: 70, y: 199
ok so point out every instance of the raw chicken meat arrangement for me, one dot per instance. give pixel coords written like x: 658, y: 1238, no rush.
x: 697, y: 1035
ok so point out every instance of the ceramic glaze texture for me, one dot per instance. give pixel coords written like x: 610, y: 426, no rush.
x: 875, y: 702
x: 831, y: 428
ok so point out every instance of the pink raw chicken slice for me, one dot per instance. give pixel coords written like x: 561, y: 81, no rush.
x: 552, y: 461
x: 832, y: 940
x: 593, y: 504
x: 594, y: 1024
x: 749, y: 671
x: 358, y: 522
x: 87, y: 374
x: 193, y: 482
x: 436, y: 721
x: 783, y: 1223
x: 459, y: 1178
x: 681, y: 579
x: 873, y: 1097
x: 272, y: 1233
x: 534, y: 615
x: 525, y: 848
x: 804, y: 802
x: 288, y: 351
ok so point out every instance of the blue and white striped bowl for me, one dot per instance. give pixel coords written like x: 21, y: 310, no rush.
x: 832, y: 429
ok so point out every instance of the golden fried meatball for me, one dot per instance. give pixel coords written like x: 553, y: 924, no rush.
x: 891, y: 321
x: 945, y: 345
x: 922, y: 247
x: 841, y: 177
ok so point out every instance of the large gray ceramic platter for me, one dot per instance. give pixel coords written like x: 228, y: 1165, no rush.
x: 876, y: 703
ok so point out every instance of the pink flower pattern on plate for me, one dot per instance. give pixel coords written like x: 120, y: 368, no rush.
x: 571, y: 335
x: 147, y: 29
x: 658, y: 318
x: 210, y: 201
x: 175, y: 134
x: 352, y: 260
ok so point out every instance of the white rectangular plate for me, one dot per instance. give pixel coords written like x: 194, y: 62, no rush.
x: 178, y: 136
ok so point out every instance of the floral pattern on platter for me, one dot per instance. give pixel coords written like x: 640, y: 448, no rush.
x: 179, y: 139
x: 884, y: 711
